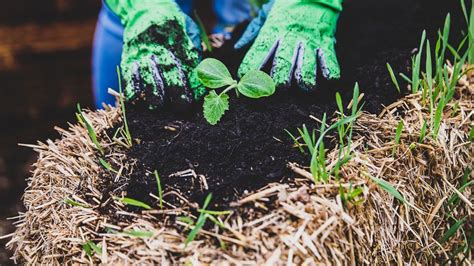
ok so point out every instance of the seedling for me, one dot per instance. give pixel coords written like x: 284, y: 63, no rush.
x: 90, y: 248
x: 203, y: 33
x: 160, y: 191
x: 134, y: 202
x: 139, y: 234
x: 213, y: 74
x: 125, y: 130
x: 75, y: 203
x: 90, y: 130
x: 398, y: 134
x: 392, y: 76
x: 389, y: 188
x: 200, y: 221
x: 470, y: 25
x: 107, y: 165
x: 203, y: 216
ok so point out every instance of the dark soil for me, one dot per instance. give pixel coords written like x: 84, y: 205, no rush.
x: 249, y: 148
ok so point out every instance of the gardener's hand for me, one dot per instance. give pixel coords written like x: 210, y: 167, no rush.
x: 161, y: 49
x: 298, y: 35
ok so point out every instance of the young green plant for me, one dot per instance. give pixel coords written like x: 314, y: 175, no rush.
x: 213, y: 74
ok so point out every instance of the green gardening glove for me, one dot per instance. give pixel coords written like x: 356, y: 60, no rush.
x: 161, y: 50
x: 298, y: 35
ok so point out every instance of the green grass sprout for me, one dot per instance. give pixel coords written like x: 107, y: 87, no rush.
x: 160, y: 190
x: 90, y: 129
x: 398, y: 134
x: 138, y: 233
x: 134, y: 202
x: 392, y: 76
x: 107, y: 165
x: 75, y: 203
x: 200, y: 221
x: 203, y: 33
x: 126, y: 130
x: 389, y: 188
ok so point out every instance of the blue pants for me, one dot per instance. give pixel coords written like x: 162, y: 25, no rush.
x: 108, y: 42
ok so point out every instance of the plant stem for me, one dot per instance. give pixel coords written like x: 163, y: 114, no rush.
x: 233, y: 86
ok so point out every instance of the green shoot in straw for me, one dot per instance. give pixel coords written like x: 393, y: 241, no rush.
x: 388, y: 188
x: 398, y: 134
x: 89, y: 247
x: 90, y: 129
x: 134, y: 202
x: 452, y: 230
x: 139, y: 234
x: 200, y: 221
x: 128, y: 136
x: 106, y: 165
x: 75, y: 203
x: 392, y: 76
x: 160, y: 190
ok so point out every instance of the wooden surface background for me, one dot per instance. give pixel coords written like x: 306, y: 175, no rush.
x: 45, y: 58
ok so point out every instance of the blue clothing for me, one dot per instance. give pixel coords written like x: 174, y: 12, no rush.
x: 108, y: 42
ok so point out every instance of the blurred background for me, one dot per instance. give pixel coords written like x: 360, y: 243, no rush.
x: 45, y: 54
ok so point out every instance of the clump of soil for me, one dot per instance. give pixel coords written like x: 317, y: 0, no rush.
x: 249, y: 147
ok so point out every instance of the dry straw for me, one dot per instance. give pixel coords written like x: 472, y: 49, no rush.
x: 295, y: 223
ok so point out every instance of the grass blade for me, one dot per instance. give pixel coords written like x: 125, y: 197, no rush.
x: 140, y: 234
x: 200, y: 222
x: 90, y: 130
x: 452, y: 230
x: 388, y: 188
x: 392, y: 76
x: 128, y: 136
x: 134, y: 202
x: 160, y: 190
x: 398, y: 134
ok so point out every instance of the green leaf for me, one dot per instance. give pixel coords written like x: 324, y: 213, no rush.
x: 452, y: 230
x: 185, y: 219
x: 75, y: 203
x: 213, y: 74
x: 134, y: 202
x: 389, y: 188
x: 215, y: 106
x: 160, y: 190
x: 398, y: 134
x: 94, y: 247
x: 87, y: 249
x: 256, y: 84
x: 392, y: 76
x: 200, y: 222
x: 90, y: 130
x: 137, y: 233
x: 107, y: 165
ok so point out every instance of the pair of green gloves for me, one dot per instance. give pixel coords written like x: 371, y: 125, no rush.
x: 162, y: 47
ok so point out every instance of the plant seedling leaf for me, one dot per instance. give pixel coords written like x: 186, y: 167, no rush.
x: 160, y: 190
x: 75, y: 203
x: 215, y: 106
x: 134, y: 202
x: 213, y: 74
x: 137, y: 233
x: 87, y: 249
x: 94, y: 247
x: 393, y: 77
x: 256, y: 84
x: 200, y: 222
x: 451, y: 231
x: 389, y: 188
